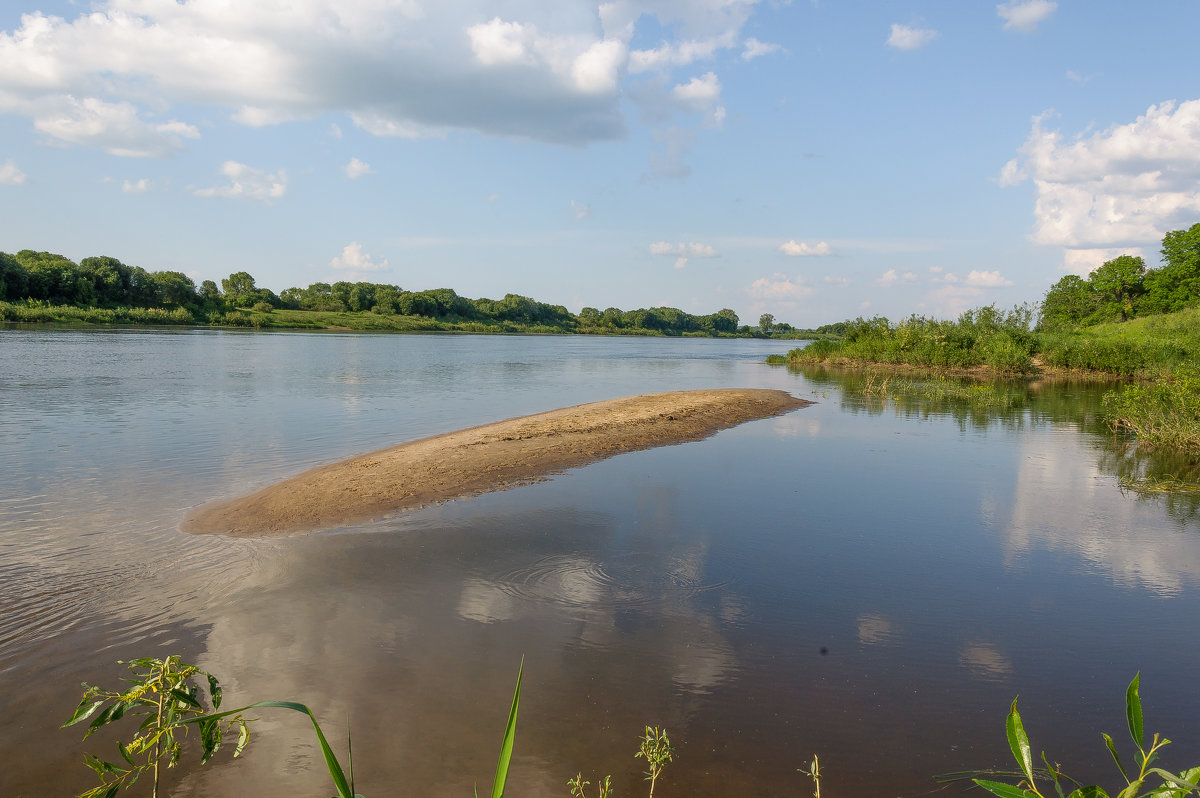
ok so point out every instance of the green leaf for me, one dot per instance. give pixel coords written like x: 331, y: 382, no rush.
x: 510, y: 733
x: 1112, y: 749
x: 243, y: 739
x: 1002, y: 789
x: 1177, y: 782
x: 186, y: 698
x: 1019, y: 742
x: 214, y: 690
x: 1132, y: 790
x: 1089, y: 792
x: 124, y: 752
x: 83, y: 711
x: 1133, y: 712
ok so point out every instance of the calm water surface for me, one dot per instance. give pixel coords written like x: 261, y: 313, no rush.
x: 869, y: 580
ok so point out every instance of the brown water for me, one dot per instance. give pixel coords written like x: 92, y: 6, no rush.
x: 872, y: 581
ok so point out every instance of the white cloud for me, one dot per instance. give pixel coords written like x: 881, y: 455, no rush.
x: 136, y: 186
x: 117, y: 128
x: 356, y: 169
x: 579, y: 210
x: 1084, y: 261
x: 1024, y: 16
x: 680, y: 263
x: 779, y: 287
x: 10, y: 175
x: 891, y: 276
x: 1077, y: 77
x: 1123, y: 186
x: 353, y: 259
x: 804, y: 249
x: 907, y: 37
x: 754, y: 48
x: 839, y: 281
x: 699, y: 94
x: 990, y: 279
x: 248, y: 182
x: 692, y: 249
x: 682, y: 53
x: 500, y: 42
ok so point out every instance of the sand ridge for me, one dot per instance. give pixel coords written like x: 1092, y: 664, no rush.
x: 481, y: 459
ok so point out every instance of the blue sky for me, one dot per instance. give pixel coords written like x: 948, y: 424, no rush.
x: 814, y: 160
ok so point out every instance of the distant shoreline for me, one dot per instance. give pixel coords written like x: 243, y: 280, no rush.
x: 482, y: 459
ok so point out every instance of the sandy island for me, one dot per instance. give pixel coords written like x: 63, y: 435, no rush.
x: 481, y: 459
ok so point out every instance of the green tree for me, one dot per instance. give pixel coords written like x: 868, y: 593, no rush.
x: 1069, y: 303
x: 1176, y: 285
x: 209, y: 293
x: 14, y: 280
x: 240, y: 290
x: 1118, y: 281
x: 766, y: 322
x: 110, y: 279
x: 175, y: 288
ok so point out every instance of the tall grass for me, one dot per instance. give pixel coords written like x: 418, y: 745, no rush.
x: 999, y: 341
x: 1164, y: 413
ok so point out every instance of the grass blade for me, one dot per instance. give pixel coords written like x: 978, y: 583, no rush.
x: 510, y: 733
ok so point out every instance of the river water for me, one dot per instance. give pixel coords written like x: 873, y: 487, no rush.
x: 871, y: 580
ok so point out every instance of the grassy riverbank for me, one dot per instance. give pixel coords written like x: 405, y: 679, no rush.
x: 991, y: 341
x: 266, y: 317
x: 1158, y: 354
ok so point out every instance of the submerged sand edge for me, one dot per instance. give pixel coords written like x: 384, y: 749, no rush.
x: 483, y: 459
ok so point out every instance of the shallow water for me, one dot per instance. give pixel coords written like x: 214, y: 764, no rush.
x: 870, y: 580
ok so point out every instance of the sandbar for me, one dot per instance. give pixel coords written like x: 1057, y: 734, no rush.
x: 481, y: 459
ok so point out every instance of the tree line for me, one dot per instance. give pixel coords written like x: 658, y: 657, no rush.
x: 1124, y: 288
x: 106, y: 282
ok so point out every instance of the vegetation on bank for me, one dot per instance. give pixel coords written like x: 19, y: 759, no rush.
x: 43, y: 287
x: 1124, y: 320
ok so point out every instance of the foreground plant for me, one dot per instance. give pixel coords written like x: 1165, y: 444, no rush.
x: 1142, y: 782
x: 166, y: 693
x: 654, y: 746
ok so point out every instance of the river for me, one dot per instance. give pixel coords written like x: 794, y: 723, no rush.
x: 870, y: 580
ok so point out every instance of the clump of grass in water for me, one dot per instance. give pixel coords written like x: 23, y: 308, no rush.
x: 1164, y: 413
x: 978, y: 394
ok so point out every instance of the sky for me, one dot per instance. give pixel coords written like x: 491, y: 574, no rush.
x: 817, y: 160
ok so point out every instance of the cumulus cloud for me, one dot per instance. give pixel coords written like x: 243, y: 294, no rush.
x: 118, y: 128
x: 109, y: 76
x: 246, y: 182
x: 908, y: 37
x: 805, y: 249
x: 1085, y: 261
x: 10, y: 175
x: 754, y: 48
x: 691, y: 249
x: 891, y: 276
x: 1024, y: 16
x: 682, y: 53
x: 779, y: 287
x: 356, y: 169
x: 136, y: 186
x: 353, y: 259
x: 1123, y: 186
x: 990, y: 279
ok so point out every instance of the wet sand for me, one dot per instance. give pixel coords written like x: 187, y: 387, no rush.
x: 481, y: 459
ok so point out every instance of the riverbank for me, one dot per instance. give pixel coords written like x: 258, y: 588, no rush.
x: 482, y: 459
